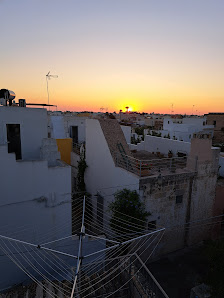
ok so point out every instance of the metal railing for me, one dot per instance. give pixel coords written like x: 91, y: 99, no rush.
x: 76, y: 147
x: 146, y: 280
x: 142, y: 282
x: 145, y: 168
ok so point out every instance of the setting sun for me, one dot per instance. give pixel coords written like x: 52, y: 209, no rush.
x: 129, y: 108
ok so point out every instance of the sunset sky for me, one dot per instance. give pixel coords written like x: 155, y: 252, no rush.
x: 146, y: 54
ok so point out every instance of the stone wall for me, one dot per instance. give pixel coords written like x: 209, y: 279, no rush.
x: 217, y: 119
x: 168, y: 204
x: 183, y: 202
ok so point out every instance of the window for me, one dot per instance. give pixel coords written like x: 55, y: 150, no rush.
x: 74, y: 133
x: 214, y: 123
x: 14, y: 139
x: 168, y: 122
x: 179, y: 199
x: 152, y: 225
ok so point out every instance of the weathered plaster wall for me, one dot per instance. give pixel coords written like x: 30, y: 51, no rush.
x: 218, y: 118
x: 160, y: 201
x: 204, y: 186
x: 198, y: 190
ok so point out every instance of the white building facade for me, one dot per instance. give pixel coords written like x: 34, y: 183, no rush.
x: 35, y: 185
x: 175, y: 191
x: 67, y: 126
x: 183, y: 129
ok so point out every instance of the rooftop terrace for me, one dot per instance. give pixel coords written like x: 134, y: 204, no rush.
x: 152, y: 166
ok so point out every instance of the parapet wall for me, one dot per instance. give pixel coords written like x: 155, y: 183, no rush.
x: 162, y: 145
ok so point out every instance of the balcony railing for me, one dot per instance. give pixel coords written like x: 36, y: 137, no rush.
x: 143, y: 283
x: 145, y: 168
x: 145, y: 278
x: 77, y: 147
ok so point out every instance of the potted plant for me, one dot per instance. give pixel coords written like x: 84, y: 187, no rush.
x: 170, y: 154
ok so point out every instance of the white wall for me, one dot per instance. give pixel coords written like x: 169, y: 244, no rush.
x: 185, y: 136
x: 57, y: 127
x: 26, y: 180
x: 162, y: 145
x: 102, y: 174
x: 60, y: 126
x: 32, y: 194
x: 33, y: 128
x: 127, y: 133
x: 183, y: 129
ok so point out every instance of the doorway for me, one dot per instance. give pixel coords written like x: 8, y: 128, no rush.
x: 14, y: 139
x: 74, y: 134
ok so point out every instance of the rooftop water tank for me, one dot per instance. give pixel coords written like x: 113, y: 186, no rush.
x: 7, y: 94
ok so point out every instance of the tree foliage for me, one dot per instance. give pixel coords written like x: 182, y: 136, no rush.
x: 128, y: 212
x: 140, y: 130
x: 135, y: 141
x: 81, y: 186
x: 77, y: 199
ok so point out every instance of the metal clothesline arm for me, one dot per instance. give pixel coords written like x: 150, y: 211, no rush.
x: 38, y: 246
x: 113, y: 241
x: 123, y: 243
x: 53, y: 241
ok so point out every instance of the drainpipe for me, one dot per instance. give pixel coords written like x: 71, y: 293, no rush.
x: 188, y: 213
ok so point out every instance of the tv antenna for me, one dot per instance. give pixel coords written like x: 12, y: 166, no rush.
x: 48, y: 77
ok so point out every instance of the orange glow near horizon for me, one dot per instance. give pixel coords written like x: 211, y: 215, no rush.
x: 115, y: 54
x: 114, y: 96
x: 156, y: 104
